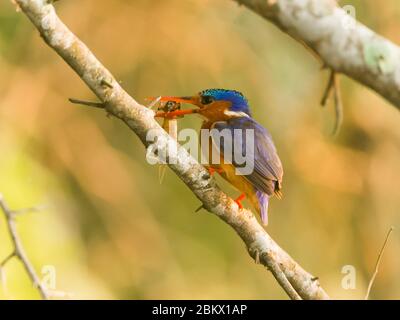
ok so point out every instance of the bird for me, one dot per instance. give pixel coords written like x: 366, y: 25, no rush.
x: 229, y: 110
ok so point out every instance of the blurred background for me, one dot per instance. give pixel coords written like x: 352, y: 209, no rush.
x: 110, y: 230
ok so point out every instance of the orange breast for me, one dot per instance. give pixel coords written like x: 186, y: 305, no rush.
x: 216, y: 111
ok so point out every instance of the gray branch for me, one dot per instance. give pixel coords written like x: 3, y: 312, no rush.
x: 18, y: 250
x: 289, y: 274
x: 342, y: 43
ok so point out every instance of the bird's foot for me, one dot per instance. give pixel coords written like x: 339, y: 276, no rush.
x: 212, y: 170
x: 239, y: 199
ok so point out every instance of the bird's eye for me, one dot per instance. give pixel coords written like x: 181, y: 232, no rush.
x: 207, y: 99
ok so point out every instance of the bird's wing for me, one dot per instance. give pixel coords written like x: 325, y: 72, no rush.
x: 267, y: 173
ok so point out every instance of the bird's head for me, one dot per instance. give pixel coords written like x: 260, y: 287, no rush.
x: 217, y: 104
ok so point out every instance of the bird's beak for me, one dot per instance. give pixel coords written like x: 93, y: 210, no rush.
x: 191, y: 100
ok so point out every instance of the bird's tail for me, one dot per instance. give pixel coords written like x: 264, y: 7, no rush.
x: 279, y: 194
x: 278, y: 189
x: 263, y: 200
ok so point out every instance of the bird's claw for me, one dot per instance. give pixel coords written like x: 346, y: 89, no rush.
x: 239, y: 199
x: 212, y: 170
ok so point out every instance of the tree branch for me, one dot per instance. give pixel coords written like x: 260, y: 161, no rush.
x: 19, y: 251
x: 342, y: 44
x: 141, y: 119
x: 377, y: 264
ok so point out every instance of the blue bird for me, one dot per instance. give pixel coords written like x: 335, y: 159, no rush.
x: 228, y: 111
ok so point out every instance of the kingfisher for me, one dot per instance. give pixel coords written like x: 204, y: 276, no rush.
x: 229, y: 111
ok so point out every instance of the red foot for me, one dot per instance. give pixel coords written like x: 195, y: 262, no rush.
x: 239, y: 199
x: 212, y: 170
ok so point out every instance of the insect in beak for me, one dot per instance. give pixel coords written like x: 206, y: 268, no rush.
x: 177, y: 112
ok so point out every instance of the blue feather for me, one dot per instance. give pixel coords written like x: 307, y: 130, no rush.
x: 237, y: 99
x: 263, y: 200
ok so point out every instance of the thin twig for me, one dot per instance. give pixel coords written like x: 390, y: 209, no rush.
x: 338, y: 105
x: 3, y: 277
x: 334, y: 86
x: 281, y: 278
x: 378, y: 262
x: 3, y: 281
x: 19, y: 251
x: 87, y: 103
x: 328, y: 88
x: 34, y: 209
x: 8, y: 258
x: 154, y: 103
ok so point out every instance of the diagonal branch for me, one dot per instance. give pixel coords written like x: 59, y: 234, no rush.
x: 378, y: 263
x: 141, y: 120
x: 18, y: 251
x: 343, y: 44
